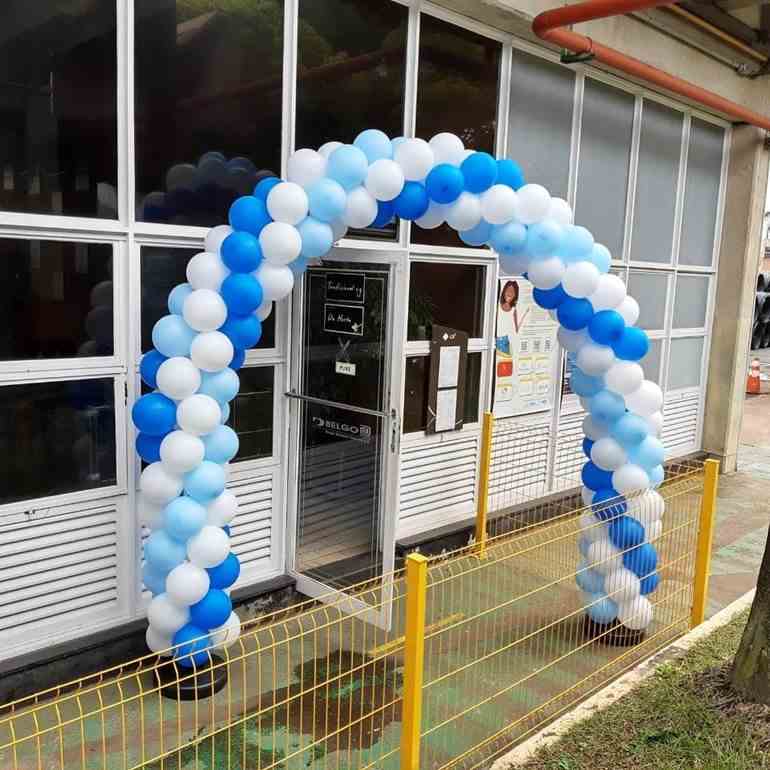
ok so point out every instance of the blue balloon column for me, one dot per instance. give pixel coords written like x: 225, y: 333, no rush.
x: 216, y: 317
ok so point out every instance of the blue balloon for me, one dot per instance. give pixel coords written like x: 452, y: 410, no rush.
x: 327, y: 200
x: 509, y: 173
x: 479, y: 172
x: 601, y: 257
x: 244, y: 164
x: 348, y: 166
x: 583, y: 384
x: 577, y: 243
x: 656, y: 474
x: 374, y: 144
x: 650, y: 453
x: 227, y: 529
x: 264, y: 186
x: 508, y: 239
x: 587, y: 445
x: 244, y: 331
x: 239, y: 356
x: 412, y: 202
x: 543, y: 238
x: 632, y: 345
x: 625, y: 532
x: 183, y: 517
x: 172, y: 336
x: 629, y: 430
x: 154, y: 581
x: 154, y: 414
x: 212, y: 610
x: 177, y: 296
x: 608, y: 504
x: 444, y: 183
x: 221, y: 444
x: 148, y: 447
x: 162, y: 552
x: 607, y: 406
x: 249, y: 214
x: 148, y: 367
x: 385, y: 214
x: 606, y: 327
x: 191, y: 645
x: 550, y: 299
x: 225, y: 574
x: 642, y: 560
x: 241, y: 252
x: 575, y: 313
x: 317, y: 237
x: 477, y: 236
x: 589, y: 580
x: 225, y: 412
x: 602, y: 610
x: 594, y: 477
x: 242, y: 293
x: 205, y: 482
x: 649, y: 584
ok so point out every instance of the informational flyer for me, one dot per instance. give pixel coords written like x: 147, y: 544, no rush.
x: 526, y: 349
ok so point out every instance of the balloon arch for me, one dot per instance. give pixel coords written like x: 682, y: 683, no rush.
x: 215, y: 317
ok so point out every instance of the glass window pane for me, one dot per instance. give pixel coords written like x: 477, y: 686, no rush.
x: 208, y: 105
x: 542, y: 97
x: 656, y: 180
x: 649, y: 290
x: 55, y: 299
x: 163, y: 268
x: 457, y: 89
x: 58, y: 101
x: 251, y: 414
x: 701, y: 193
x: 605, y: 148
x: 447, y: 294
x: 56, y: 437
x: 684, y: 363
x: 651, y: 362
x: 691, y: 299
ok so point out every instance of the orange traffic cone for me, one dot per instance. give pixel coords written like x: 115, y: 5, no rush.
x: 752, y: 383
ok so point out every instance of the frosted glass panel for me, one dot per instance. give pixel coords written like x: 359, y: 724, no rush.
x: 651, y: 362
x: 684, y: 362
x: 701, y: 193
x: 605, y: 146
x: 690, y: 302
x: 649, y: 290
x: 541, y: 121
x: 656, y: 179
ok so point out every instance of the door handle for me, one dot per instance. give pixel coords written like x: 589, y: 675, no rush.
x: 395, y: 430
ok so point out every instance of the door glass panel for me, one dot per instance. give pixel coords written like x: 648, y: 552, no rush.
x: 692, y: 293
x: 651, y: 291
x: 684, y: 365
x: 251, y: 415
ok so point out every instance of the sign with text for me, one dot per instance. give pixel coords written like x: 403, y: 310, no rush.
x: 345, y: 287
x: 446, y: 379
x: 344, y: 319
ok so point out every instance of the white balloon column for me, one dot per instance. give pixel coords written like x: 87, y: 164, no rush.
x: 217, y: 315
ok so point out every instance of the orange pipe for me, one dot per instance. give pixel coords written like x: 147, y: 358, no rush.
x: 550, y: 25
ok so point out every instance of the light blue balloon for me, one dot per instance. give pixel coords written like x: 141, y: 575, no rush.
x: 649, y: 454
x: 656, y: 474
x: 225, y: 409
x: 374, y: 144
x: 584, y: 544
x: 171, y: 336
x: 317, y: 237
x: 544, y: 238
x: 606, y: 406
x: 205, y: 482
x: 629, y: 431
x: 583, y: 384
x: 396, y: 141
x: 589, y: 580
x: 177, y: 296
x: 508, y: 239
x: 478, y: 235
x: 298, y: 265
x: 222, y: 386
x: 601, y: 257
x: 602, y: 609
x: 348, y: 166
x: 221, y: 444
x: 154, y: 581
x: 183, y: 518
x: 326, y: 200
x: 162, y: 552
x: 577, y: 243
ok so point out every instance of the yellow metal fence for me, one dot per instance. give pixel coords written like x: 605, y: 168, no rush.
x: 444, y: 664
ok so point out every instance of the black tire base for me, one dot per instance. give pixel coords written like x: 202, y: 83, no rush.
x: 613, y: 634
x: 185, y: 684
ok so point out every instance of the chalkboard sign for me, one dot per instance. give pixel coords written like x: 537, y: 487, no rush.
x: 345, y: 287
x: 344, y: 319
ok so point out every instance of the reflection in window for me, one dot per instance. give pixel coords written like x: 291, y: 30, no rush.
x: 55, y: 299
x: 56, y: 437
x: 446, y: 294
x: 457, y: 88
x: 251, y: 415
x: 58, y: 108
x: 208, y: 105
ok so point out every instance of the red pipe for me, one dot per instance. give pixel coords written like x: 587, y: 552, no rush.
x: 550, y: 25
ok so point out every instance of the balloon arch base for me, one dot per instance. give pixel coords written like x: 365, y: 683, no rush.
x: 612, y: 634
x: 191, y: 683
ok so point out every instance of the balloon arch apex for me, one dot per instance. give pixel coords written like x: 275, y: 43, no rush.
x: 251, y: 262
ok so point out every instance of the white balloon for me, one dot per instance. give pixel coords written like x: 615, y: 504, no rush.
x: 209, y: 547
x: 206, y: 271
x: 280, y: 242
x: 156, y: 641
x: 603, y: 556
x: 204, y: 310
x: 277, y: 280
x: 591, y: 527
x: 646, y: 399
x: 653, y: 531
x: 178, y: 378
x: 595, y: 359
x: 339, y: 229
x: 305, y: 167
x: 608, y: 454
x: 546, y: 273
x: 465, y: 212
x: 636, y: 614
x: 624, y: 377
x: 158, y: 485
x: 622, y: 585
x: 587, y: 495
x: 215, y: 238
x: 609, y: 293
x: 327, y: 149
x: 498, y: 204
x: 447, y: 148
x: 165, y: 616
x: 198, y: 414
x: 149, y: 514
x: 560, y: 211
x: 593, y: 429
x: 264, y: 310
x: 180, y: 452
x: 226, y: 634
x: 655, y: 423
x: 211, y: 351
x: 647, y: 507
x: 581, y: 279
x: 629, y: 478
x: 629, y: 309
x: 570, y: 340
x: 187, y: 584
x: 360, y: 208
x: 532, y: 203
x: 434, y: 217
x: 385, y: 179
x: 287, y: 202
x: 415, y: 158
x: 222, y: 510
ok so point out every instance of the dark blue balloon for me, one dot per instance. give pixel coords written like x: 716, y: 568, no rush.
x: 626, y: 532
x: 264, y: 186
x: 412, y: 202
x: 574, y: 313
x: 587, y: 444
x: 632, y: 345
x: 385, y: 214
x: 595, y: 478
x: 550, y: 299
x: 249, y: 213
x: 239, y: 356
x: 149, y: 366
x: 642, y: 560
x: 606, y: 327
x: 191, y: 649
x: 225, y: 574
x: 212, y: 610
x: 479, y: 172
x: 509, y: 172
x: 154, y: 414
x: 608, y: 504
x: 444, y: 183
x: 148, y: 447
x: 242, y: 293
x: 649, y: 584
x: 227, y: 530
x: 244, y: 331
x: 241, y: 252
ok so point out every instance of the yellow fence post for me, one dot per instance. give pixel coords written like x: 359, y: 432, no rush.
x: 414, y: 655
x: 483, y: 502
x: 705, y: 538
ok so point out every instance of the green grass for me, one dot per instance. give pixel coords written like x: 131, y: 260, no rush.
x: 676, y: 720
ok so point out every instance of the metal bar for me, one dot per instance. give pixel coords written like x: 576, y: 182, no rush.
x: 705, y: 538
x: 482, y: 505
x: 336, y: 404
